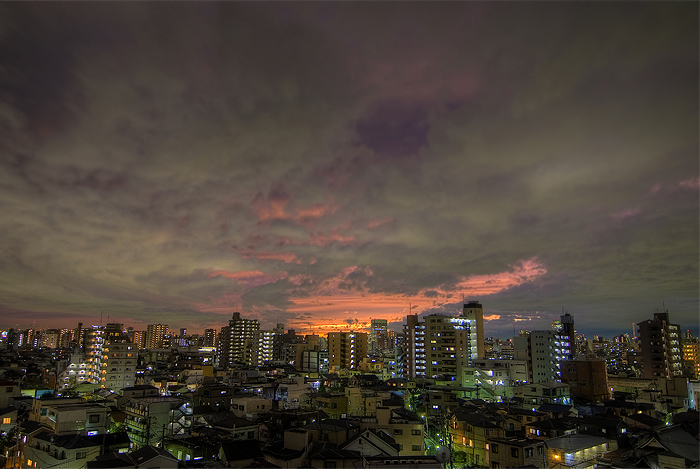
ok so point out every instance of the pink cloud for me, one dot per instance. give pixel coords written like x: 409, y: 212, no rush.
x: 377, y: 223
x: 321, y: 240
x: 482, y: 285
x: 692, y: 183
x: 280, y: 206
x: 250, y: 278
x: 287, y: 257
x: 330, y: 303
x: 629, y: 213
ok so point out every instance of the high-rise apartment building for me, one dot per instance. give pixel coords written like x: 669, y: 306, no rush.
x: 660, y: 345
x: 268, y: 346
x: 378, y: 335
x: 139, y: 338
x: 346, y: 350
x: 691, y: 355
x: 588, y: 379
x: 94, y: 342
x: 296, y: 345
x: 209, y: 338
x: 443, y: 345
x: 119, y: 365
x: 544, y: 352
x: 413, y: 362
x: 236, y: 341
x: 567, y: 329
x: 155, y: 335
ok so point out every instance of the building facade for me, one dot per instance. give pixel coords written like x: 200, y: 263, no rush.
x: 155, y: 335
x: 346, y: 350
x: 544, y: 352
x: 660, y: 347
x: 236, y: 341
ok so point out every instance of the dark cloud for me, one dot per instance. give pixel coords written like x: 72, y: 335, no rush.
x: 191, y: 160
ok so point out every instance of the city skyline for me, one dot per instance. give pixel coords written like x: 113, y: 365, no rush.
x: 324, y: 164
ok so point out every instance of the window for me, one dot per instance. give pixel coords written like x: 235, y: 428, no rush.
x: 514, y: 452
x: 95, y: 418
x: 416, y: 448
x: 398, y: 431
x: 415, y: 432
x: 80, y: 455
x: 494, y: 448
x: 9, y: 389
x: 6, y: 420
x: 495, y: 465
x: 329, y: 464
x: 540, y: 450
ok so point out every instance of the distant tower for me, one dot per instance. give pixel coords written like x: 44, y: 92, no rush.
x: 378, y: 334
x: 567, y: 329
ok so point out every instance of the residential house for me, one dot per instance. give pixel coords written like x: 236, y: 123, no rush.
x: 404, y: 426
x: 550, y: 428
x: 240, y: 453
x: 149, y: 457
x: 579, y: 451
x: 45, y: 449
x: 470, y: 429
x: 515, y: 452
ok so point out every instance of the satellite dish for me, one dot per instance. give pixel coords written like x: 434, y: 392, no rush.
x: 443, y: 454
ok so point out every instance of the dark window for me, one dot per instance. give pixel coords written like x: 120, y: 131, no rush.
x: 398, y: 431
x: 416, y: 447
x: 494, y: 448
x: 329, y: 464
x: 95, y: 418
x: 415, y: 432
x: 514, y: 452
x: 80, y: 455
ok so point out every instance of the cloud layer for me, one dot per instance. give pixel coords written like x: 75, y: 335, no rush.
x: 313, y: 163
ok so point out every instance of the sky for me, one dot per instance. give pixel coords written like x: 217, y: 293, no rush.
x: 319, y: 164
